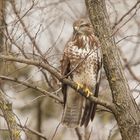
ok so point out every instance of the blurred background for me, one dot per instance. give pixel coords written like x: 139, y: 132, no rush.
x: 39, y: 30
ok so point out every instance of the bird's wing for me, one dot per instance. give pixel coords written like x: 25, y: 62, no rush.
x: 65, y: 69
x: 90, y: 107
x: 96, y: 91
x: 72, y: 101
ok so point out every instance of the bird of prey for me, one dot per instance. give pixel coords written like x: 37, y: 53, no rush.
x: 81, y: 62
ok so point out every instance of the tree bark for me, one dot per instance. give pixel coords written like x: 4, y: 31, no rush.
x: 5, y: 106
x: 2, y: 23
x: 127, y: 112
x: 9, y: 116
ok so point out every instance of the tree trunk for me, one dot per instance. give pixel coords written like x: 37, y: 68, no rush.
x: 5, y: 106
x: 127, y: 112
x: 2, y: 8
x: 9, y: 117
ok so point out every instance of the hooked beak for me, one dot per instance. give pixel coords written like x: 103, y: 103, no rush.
x: 76, y: 29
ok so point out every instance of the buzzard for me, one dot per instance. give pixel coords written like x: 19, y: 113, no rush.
x: 81, y: 63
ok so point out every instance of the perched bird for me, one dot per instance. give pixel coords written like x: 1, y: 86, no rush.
x: 81, y: 62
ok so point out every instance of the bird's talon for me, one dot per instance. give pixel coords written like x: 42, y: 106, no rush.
x: 88, y: 92
x: 79, y: 86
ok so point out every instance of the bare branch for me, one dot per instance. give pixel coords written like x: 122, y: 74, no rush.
x: 59, y: 77
x: 126, y: 14
x: 9, y: 116
x: 127, y: 65
x: 32, y: 39
x: 33, y: 131
x: 44, y: 92
x: 127, y: 110
x: 79, y: 134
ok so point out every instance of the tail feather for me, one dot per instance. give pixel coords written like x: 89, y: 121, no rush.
x: 73, y: 111
x: 86, y: 112
x: 71, y: 117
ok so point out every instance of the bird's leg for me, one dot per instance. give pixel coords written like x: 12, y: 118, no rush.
x: 85, y: 89
x: 79, y: 86
x: 88, y: 92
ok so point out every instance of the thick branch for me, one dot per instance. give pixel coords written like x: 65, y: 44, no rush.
x: 54, y: 72
x: 127, y: 112
x: 9, y: 116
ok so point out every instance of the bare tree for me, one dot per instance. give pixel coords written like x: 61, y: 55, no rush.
x: 126, y: 112
x: 32, y: 37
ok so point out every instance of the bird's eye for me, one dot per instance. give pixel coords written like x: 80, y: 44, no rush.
x: 83, y: 25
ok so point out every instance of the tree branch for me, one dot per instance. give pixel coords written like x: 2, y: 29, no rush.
x: 126, y: 14
x: 127, y: 112
x: 33, y: 131
x: 54, y: 72
x: 44, y: 92
x: 32, y: 39
x: 9, y: 116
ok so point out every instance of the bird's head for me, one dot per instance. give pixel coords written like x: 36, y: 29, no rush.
x: 82, y: 27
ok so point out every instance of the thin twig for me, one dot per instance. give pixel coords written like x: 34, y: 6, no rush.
x: 44, y: 92
x: 55, y: 131
x: 33, y: 131
x: 32, y: 39
x: 126, y: 14
x: 54, y: 72
x: 79, y: 134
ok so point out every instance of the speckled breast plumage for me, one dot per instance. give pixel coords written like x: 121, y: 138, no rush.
x: 83, y: 63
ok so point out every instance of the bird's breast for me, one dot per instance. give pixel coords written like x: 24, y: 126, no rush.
x: 83, y: 64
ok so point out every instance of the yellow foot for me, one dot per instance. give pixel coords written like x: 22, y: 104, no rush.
x: 86, y: 90
x: 79, y: 86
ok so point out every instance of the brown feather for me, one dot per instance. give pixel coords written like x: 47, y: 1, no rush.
x: 65, y: 69
x: 81, y: 63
